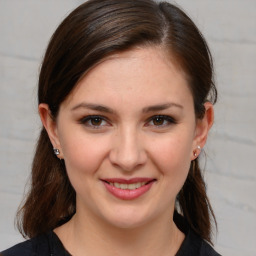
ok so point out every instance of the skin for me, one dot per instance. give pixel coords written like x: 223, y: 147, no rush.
x: 129, y: 141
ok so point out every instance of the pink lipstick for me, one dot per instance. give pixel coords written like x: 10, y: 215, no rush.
x: 128, y: 189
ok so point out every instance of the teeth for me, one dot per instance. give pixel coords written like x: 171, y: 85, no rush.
x: 117, y: 185
x: 128, y: 186
x: 132, y: 186
x: 123, y: 186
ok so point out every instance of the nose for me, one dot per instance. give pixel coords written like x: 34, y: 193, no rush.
x: 127, y: 151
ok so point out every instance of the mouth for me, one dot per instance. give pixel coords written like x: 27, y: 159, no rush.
x: 128, y: 189
x: 126, y: 185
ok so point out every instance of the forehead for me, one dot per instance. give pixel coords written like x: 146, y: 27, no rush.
x: 147, y: 73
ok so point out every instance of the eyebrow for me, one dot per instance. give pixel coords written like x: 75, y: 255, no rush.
x: 160, y: 107
x: 105, y: 109
x: 96, y: 107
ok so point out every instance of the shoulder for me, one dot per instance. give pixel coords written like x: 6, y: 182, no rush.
x: 206, y: 249
x: 24, y: 248
x: 33, y: 247
x: 201, y: 246
x: 193, y: 245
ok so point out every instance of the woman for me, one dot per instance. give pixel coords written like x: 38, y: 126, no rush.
x: 126, y: 99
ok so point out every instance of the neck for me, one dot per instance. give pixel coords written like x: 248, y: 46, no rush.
x: 83, y: 237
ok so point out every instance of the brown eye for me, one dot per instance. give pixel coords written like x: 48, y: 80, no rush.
x: 96, y: 121
x: 158, y: 121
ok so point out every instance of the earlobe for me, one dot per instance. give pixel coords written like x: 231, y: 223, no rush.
x: 202, y: 129
x: 50, y: 126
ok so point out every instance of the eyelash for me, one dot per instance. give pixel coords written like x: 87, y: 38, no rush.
x: 168, y: 119
x: 87, y: 121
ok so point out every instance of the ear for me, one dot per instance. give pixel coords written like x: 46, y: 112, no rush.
x: 50, y: 125
x: 202, y: 129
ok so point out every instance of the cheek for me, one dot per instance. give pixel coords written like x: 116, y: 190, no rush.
x: 172, y: 158
x: 83, y: 154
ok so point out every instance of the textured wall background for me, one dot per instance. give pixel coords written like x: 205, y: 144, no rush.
x: 230, y: 28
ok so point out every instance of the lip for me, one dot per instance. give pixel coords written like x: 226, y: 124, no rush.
x: 127, y: 181
x: 127, y: 194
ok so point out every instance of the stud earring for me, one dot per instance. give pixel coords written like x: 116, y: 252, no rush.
x: 56, y: 151
x: 195, y: 151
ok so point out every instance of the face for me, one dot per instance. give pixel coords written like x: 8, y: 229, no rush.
x: 127, y: 133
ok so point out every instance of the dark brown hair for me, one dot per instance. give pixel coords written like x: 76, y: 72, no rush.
x: 92, y: 32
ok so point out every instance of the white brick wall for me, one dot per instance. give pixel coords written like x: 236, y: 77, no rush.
x: 230, y: 28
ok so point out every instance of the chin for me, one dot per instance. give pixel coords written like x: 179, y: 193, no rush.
x: 128, y: 218
x: 129, y: 223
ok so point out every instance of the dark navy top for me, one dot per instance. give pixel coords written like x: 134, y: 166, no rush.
x: 49, y: 244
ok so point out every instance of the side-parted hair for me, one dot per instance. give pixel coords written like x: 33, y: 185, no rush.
x: 92, y: 32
